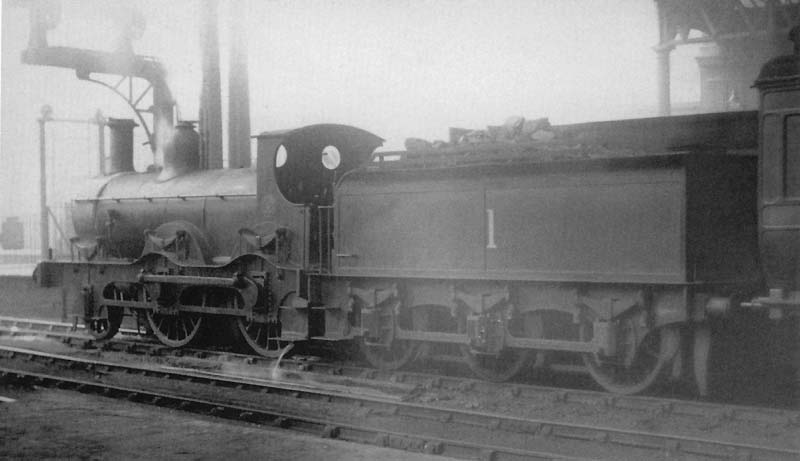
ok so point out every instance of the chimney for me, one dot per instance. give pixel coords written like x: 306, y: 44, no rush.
x: 121, y: 155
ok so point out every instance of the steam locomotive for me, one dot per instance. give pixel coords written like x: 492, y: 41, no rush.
x: 617, y: 242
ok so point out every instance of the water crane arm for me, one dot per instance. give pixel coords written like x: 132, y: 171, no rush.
x: 125, y: 64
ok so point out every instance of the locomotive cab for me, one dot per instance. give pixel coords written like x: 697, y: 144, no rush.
x: 297, y: 171
x: 306, y: 162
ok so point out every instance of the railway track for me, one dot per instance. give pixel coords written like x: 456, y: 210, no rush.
x: 441, y: 423
x: 130, y: 341
x: 305, y: 404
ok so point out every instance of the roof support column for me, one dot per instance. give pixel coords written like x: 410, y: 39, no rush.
x: 664, y: 103
x: 211, y: 95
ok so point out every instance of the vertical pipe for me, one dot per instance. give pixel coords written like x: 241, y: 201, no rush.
x: 664, y: 103
x: 666, y: 33
x: 44, y: 219
x: 796, y: 351
x: 329, y: 245
x: 101, y: 142
x: 238, y: 89
x: 211, y: 98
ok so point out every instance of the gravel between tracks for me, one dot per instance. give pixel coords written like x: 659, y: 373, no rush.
x: 54, y: 424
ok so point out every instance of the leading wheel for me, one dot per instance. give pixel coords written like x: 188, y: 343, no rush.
x: 175, y: 330
x: 105, y: 324
x: 639, y: 362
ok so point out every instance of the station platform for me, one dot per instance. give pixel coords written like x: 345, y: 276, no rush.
x: 17, y: 270
x: 20, y: 296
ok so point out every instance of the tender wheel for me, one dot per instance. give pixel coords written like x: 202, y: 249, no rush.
x: 633, y: 369
x: 175, y: 330
x: 396, y: 355
x: 534, y: 327
x: 495, y: 367
x: 106, y: 323
x: 263, y: 338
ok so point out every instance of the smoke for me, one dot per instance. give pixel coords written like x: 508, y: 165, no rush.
x: 165, y: 133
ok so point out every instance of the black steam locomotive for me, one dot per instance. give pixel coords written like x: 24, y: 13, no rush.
x: 615, y: 242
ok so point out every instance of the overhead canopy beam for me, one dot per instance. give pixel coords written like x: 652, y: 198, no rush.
x: 737, y: 26
x: 719, y: 20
